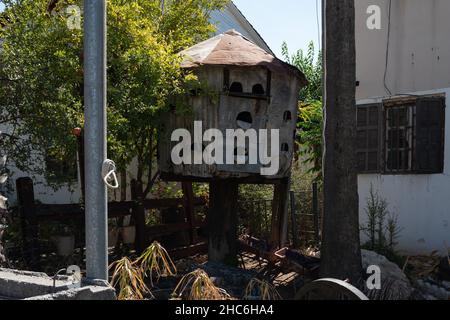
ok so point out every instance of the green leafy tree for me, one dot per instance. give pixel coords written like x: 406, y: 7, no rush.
x: 311, y: 65
x: 41, y: 74
x: 310, y: 120
x: 310, y: 137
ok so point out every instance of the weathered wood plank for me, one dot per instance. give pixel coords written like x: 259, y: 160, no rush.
x: 189, y: 251
x: 153, y: 232
x: 222, y: 222
x: 189, y: 208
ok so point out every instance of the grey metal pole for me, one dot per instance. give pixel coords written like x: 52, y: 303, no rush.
x: 95, y: 138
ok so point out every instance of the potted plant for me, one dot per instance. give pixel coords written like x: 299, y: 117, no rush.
x: 128, y: 234
x: 113, y: 233
x: 64, y: 241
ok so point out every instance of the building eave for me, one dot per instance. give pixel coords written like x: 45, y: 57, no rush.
x: 248, y: 26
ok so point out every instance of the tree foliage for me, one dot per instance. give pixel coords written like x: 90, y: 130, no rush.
x: 311, y: 65
x: 310, y: 136
x: 41, y: 74
x: 310, y: 121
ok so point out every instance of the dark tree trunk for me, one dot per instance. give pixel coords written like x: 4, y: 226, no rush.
x: 222, y: 222
x: 341, y: 253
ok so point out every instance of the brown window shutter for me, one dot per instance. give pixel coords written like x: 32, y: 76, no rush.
x: 430, y: 133
x: 368, y: 139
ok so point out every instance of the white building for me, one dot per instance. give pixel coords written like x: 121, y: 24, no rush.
x: 403, y: 86
x: 230, y: 18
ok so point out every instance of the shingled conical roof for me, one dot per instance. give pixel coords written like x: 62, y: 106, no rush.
x: 233, y: 49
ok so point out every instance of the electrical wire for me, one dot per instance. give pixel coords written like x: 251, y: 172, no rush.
x: 387, y: 49
x: 319, y: 36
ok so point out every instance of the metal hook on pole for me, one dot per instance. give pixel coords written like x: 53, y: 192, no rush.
x: 109, y: 173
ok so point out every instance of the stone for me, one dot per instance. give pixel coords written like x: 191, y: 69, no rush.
x: 394, y: 283
x: 432, y: 291
x: 446, y: 285
x: 25, y: 285
x: 83, y: 293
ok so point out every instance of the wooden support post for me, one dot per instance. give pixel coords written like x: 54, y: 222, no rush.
x: 284, y: 209
x: 222, y: 222
x: 188, y: 193
x: 316, y: 210
x: 280, y: 214
x: 275, y: 231
x: 138, y: 214
x: 294, y: 220
x: 25, y: 195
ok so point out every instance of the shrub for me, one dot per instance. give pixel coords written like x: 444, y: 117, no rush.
x: 381, y: 227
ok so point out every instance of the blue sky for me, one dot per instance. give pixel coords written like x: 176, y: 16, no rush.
x: 293, y: 21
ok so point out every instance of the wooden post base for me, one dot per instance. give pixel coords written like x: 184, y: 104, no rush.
x: 222, y: 222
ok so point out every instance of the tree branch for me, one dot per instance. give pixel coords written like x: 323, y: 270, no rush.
x: 151, y: 183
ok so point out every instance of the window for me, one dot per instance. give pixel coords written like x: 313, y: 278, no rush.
x: 401, y: 136
x: 244, y: 120
x: 368, y: 138
x: 287, y: 116
x: 236, y: 87
x: 430, y: 135
x: 258, y: 89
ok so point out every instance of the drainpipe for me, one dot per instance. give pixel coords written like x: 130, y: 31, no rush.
x: 95, y: 138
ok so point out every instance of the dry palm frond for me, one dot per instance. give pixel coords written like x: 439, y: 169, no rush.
x: 262, y: 290
x: 156, y: 262
x: 130, y: 280
x: 197, y: 285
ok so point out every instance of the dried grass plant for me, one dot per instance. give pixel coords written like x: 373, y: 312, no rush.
x: 156, y: 262
x: 197, y: 285
x: 130, y: 279
x: 261, y: 289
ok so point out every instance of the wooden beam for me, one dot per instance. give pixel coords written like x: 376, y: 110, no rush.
x: 154, y: 232
x: 283, y: 211
x: 248, y: 180
x: 280, y: 214
x: 222, y: 222
x: 189, y: 209
x: 189, y: 251
x: 274, y: 226
x: 169, y: 203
